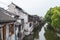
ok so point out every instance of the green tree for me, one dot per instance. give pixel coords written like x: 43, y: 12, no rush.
x: 52, y: 17
x: 56, y: 19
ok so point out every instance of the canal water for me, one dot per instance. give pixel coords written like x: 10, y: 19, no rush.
x: 43, y: 33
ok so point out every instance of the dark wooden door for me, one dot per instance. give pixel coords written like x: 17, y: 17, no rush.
x: 22, y: 21
x: 4, y: 32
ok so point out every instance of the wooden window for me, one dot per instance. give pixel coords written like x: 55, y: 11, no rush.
x: 30, y: 24
x: 22, y: 21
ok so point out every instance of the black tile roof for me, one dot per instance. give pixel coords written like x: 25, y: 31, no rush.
x: 20, y: 9
x: 5, y: 18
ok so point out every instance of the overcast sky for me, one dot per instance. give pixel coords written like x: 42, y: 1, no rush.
x: 32, y: 7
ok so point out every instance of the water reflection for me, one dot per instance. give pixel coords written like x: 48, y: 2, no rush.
x: 44, y: 33
x: 41, y: 34
x: 34, y: 36
x: 51, y: 35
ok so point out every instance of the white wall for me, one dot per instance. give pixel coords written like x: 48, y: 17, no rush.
x: 22, y: 15
x: 11, y: 8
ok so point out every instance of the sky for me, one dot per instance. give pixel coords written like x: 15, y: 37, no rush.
x: 33, y: 7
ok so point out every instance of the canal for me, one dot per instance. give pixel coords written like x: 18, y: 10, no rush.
x: 43, y: 33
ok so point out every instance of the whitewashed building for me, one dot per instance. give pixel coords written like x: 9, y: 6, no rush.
x: 26, y: 26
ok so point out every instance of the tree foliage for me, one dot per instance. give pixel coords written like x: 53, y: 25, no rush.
x: 52, y: 17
